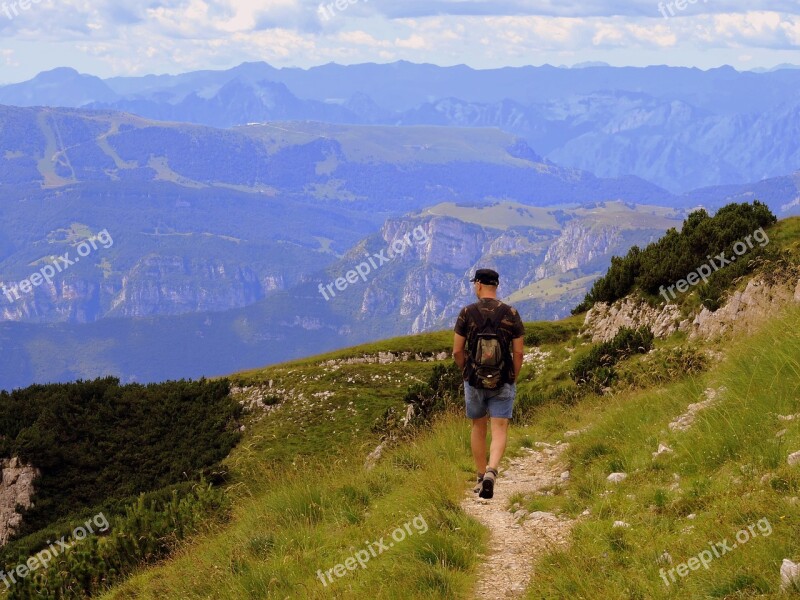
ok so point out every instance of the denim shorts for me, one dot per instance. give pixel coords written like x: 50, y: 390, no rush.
x: 497, y: 403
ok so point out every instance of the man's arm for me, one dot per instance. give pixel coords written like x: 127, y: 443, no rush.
x: 519, y: 352
x: 459, y: 343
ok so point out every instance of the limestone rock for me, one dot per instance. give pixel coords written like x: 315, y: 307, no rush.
x: 662, y: 449
x: 790, y: 575
x: 617, y: 477
x: 686, y: 420
x: 374, y: 457
x: 16, y: 489
x: 604, y: 321
x: 742, y: 312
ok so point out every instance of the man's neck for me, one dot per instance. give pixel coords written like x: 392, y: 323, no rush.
x: 487, y: 297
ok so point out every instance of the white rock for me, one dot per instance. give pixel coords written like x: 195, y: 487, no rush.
x: 622, y: 524
x: 586, y: 513
x: 617, y: 477
x: 794, y: 459
x: 374, y: 457
x: 662, y: 449
x: 686, y: 420
x: 691, y: 517
x: 565, y: 476
x: 541, y: 515
x: 790, y: 574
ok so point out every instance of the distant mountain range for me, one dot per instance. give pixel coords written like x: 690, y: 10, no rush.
x: 679, y: 128
x: 223, y: 237
x: 421, y: 289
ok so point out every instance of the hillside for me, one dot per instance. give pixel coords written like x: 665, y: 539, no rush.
x: 375, y: 166
x: 701, y: 431
x: 141, y: 311
x: 676, y: 127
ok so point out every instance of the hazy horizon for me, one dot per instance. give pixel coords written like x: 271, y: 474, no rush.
x: 124, y: 38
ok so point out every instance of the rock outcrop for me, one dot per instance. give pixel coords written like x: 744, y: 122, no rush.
x: 744, y: 310
x: 16, y: 489
x: 603, y: 321
x: 741, y: 314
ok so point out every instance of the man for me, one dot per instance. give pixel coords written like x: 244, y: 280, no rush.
x: 482, y: 403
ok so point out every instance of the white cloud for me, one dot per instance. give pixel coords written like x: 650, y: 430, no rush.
x: 9, y: 58
x: 361, y: 38
x: 158, y: 35
x: 414, y: 42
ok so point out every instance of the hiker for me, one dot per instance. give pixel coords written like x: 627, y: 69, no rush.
x: 488, y: 349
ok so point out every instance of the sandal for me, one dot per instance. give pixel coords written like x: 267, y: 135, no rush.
x: 487, y: 485
x: 479, y: 486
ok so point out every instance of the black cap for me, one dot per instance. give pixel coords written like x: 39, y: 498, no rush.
x: 486, y: 277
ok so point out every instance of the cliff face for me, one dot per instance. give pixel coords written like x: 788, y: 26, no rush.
x: 16, y: 489
x: 741, y: 314
x: 430, y: 283
x: 578, y: 245
x: 155, y: 285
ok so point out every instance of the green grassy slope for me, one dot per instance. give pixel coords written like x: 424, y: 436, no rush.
x: 729, y: 471
x: 303, y: 501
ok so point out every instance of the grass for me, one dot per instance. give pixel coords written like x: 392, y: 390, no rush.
x: 728, y: 472
x: 303, y: 502
x: 319, y: 516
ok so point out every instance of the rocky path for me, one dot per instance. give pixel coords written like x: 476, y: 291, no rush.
x: 518, y: 539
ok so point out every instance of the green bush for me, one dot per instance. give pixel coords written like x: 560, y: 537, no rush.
x: 98, y: 442
x: 677, y: 254
x: 596, y: 368
x: 148, y: 531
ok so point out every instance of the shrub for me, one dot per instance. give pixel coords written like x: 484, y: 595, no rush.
x: 677, y: 254
x: 596, y: 368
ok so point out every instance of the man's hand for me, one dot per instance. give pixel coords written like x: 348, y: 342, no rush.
x: 518, y: 349
x: 459, y: 343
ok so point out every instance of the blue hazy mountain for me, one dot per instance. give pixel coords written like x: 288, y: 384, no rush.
x: 679, y: 128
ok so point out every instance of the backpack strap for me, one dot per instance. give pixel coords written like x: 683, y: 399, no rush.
x: 481, y: 320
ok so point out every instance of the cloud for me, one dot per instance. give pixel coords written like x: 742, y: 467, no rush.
x: 131, y: 36
x: 9, y: 58
x: 414, y: 42
x: 570, y: 9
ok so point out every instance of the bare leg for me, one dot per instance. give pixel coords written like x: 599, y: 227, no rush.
x: 499, y: 437
x: 479, y: 443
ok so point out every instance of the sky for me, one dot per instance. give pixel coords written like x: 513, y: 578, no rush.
x: 137, y: 37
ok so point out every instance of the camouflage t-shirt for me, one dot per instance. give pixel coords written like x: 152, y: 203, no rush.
x: 510, y: 328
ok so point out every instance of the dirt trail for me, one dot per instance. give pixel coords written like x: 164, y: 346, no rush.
x: 516, y: 543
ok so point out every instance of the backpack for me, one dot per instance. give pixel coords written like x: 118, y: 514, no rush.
x: 488, y: 349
